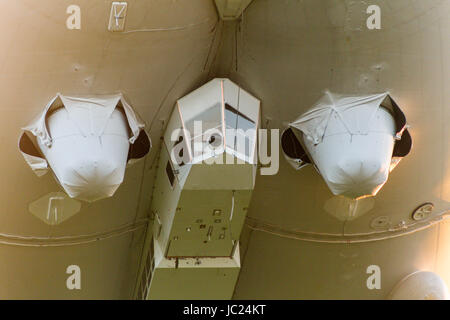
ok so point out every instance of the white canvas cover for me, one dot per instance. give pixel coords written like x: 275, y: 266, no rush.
x: 314, y: 122
x: 420, y: 285
x: 353, y: 140
x: 87, y: 141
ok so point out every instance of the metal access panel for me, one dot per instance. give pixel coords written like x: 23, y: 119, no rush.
x: 194, y: 278
x: 208, y: 223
